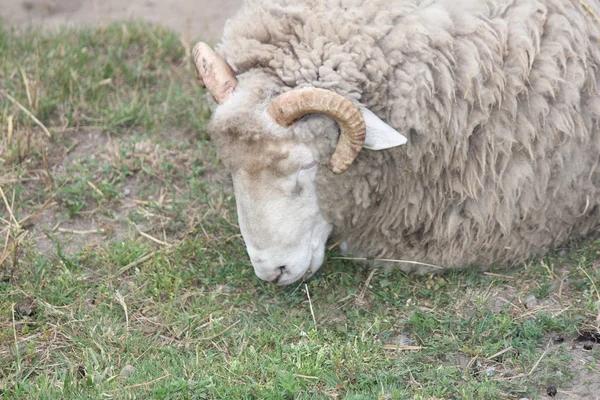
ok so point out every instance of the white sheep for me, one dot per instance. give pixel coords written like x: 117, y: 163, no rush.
x: 498, y: 100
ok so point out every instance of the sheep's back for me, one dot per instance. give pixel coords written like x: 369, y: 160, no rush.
x: 497, y: 98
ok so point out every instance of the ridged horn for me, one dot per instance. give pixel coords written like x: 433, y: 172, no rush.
x: 213, y: 72
x: 289, y: 107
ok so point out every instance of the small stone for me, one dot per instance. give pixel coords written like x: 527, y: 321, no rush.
x: 516, y: 352
x: 524, y: 398
x: 530, y: 301
x: 499, y: 305
x: 589, y: 359
x: 24, y: 310
x: 551, y: 390
x: 558, y: 339
x: 224, y: 288
x: 127, y: 371
x: 126, y: 192
x: 562, y: 253
x: 303, y: 341
x: 588, y: 346
x: 490, y: 371
x: 509, y: 374
x: 401, y: 340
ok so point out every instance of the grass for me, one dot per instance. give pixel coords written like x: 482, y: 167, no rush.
x: 123, y: 274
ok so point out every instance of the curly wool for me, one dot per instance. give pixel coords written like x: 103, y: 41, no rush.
x: 498, y: 100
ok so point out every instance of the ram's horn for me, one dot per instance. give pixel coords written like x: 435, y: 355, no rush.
x: 289, y: 107
x: 213, y: 72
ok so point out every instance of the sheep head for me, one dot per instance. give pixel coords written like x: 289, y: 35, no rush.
x: 274, y: 171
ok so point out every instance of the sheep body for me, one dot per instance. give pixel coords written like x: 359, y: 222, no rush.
x: 498, y: 100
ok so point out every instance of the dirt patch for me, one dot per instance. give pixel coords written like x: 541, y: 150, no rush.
x: 583, y: 357
x: 193, y: 18
x: 51, y: 227
x: 143, y: 201
x: 51, y: 224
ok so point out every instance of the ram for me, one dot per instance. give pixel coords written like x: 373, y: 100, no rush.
x: 443, y: 132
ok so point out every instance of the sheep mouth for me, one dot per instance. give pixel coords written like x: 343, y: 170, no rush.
x: 316, y: 257
x: 287, y: 280
x: 310, y: 271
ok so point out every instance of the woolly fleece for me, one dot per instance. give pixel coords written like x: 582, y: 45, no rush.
x: 498, y: 99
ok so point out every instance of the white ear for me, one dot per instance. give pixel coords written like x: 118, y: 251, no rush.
x: 380, y: 136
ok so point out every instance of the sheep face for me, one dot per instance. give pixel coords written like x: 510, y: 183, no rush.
x: 279, y: 216
x: 274, y: 171
x: 274, y: 174
x: 274, y: 160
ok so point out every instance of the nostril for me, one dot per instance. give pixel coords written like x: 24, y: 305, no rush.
x: 278, y: 273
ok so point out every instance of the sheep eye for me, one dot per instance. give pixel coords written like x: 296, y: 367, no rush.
x: 306, y: 167
x: 309, y: 166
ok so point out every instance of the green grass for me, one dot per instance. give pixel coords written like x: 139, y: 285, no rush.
x: 83, y: 293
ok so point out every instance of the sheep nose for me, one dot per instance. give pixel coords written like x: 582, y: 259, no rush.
x: 279, y: 273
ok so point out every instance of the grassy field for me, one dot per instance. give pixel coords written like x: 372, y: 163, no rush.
x: 123, y: 274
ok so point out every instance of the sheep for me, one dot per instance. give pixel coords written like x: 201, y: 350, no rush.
x: 444, y: 133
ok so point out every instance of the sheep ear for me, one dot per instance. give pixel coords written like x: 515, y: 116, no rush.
x: 380, y: 136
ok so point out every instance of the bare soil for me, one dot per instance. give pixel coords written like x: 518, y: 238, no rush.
x: 110, y: 220
x: 88, y: 228
x: 192, y: 18
x: 586, y: 384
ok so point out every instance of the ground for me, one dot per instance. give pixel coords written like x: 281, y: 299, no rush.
x: 123, y: 273
x: 192, y: 18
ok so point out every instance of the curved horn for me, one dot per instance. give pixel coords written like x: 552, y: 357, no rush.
x: 213, y: 72
x: 289, y: 107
